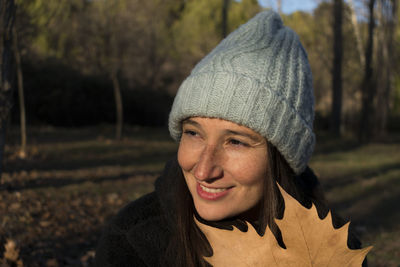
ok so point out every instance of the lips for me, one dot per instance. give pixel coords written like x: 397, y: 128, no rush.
x: 208, y: 193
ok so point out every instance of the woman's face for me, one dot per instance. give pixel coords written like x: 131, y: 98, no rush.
x: 224, y: 165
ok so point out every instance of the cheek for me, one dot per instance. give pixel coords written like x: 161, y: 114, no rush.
x: 186, y: 161
x: 252, y: 171
x: 186, y: 155
x: 181, y: 156
x: 189, y: 151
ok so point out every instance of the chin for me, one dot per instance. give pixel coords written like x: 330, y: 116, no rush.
x: 211, y: 217
x: 212, y: 214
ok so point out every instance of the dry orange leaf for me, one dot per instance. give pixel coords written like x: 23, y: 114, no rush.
x: 11, y: 254
x: 309, y: 241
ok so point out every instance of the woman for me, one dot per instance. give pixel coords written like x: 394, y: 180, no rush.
x: 243, y: 120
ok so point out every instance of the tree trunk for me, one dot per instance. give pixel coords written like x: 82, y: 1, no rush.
x: 388, y: 17
x: 118, y: 105
x: 336, y: 112
x: 368, y: 84
x: 7, y: 15
x: 20, y: 79
x: 279, y: 4
x: 357, y: 33
x: 225, y: 7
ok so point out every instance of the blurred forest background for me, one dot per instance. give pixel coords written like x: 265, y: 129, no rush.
x: 85, y: 91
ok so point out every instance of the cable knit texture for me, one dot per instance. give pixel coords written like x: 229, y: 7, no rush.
x: 258, y: 77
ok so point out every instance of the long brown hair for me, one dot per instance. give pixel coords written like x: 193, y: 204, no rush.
x: 189, y: 245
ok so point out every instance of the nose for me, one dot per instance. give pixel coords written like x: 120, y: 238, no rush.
x: 208, y: 167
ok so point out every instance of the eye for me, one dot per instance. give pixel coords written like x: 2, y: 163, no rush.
x: 190, y: 132
x: 236, y: 142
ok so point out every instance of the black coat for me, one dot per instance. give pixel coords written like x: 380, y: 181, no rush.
x: 139, y: 234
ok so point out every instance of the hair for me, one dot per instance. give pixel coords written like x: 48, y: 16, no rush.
x: 189, y: 245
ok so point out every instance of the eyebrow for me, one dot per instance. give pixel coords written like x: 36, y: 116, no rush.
x: 192, y: 122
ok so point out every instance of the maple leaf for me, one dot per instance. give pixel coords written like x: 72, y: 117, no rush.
x: 309, y: 241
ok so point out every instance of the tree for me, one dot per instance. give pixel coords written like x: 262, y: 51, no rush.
x: 316, y: 33
x: 47, y: 26
x: 106, y: 43
x: 225, y: 7
x: 368, y: 84
x: 199, y: 29
x: 21, y: 98
x: 336, y: 111
x: 360, y: 47
x: 387, y: 18
x: 7, y: 14
x: 279, y: 4
x: 42, y: 26
x: 133, y: 58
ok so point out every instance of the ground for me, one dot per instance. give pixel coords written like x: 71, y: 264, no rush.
x: 54, y: 203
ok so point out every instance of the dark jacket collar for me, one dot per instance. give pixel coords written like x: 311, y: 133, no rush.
x: 150, y: 236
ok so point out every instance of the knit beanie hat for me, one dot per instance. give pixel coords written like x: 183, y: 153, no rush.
x: 258, y: 77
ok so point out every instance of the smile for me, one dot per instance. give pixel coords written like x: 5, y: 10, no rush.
x: 212, y: 190
x: 212, y: 193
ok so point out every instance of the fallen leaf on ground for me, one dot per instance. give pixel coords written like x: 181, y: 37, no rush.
x: 11, y: 253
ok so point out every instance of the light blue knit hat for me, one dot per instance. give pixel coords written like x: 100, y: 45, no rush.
x: 259, y: 77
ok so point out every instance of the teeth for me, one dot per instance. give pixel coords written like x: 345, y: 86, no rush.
x: 212, y: 190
